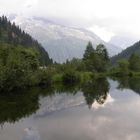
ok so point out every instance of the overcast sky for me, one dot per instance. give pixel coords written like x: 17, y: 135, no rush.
x: 105, y: 17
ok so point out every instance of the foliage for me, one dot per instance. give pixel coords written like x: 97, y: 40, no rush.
x: 127, y: 67
x: 45, y: 77
x: 125, y: 54
x: 16, y: 66
x: 12, y: 34
x: 70, y: 77
x: 75, y: 64
x: 134, y: 62
x: 20, y: 58
x: 89, y: 50
x: 123, y: 67
x: 96, y: 60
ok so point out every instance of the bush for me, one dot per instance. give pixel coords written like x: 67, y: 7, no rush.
x: 44, y: 77
x: 85, y: 76
x: 70, y: 77
x: 57, y: 78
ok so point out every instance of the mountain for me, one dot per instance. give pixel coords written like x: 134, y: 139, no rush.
x: 60, y: 41
x: 10, y: 34
x: 125, y: 54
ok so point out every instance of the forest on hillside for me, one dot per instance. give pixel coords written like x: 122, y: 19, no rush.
x: 13, y: 35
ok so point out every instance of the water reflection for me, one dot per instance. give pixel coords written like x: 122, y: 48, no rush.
x: 15, y: 107
x: 94, y: 93
x: 23, y: 104
x: 132, y: 83
x: 96, y: 89
x: 31, y: 134
x: 108, y: 100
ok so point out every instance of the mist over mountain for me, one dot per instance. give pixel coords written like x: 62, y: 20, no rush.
x: 123, y: 41
x: 61, y: 42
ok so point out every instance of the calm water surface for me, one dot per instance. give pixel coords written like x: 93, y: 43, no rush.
x: 102, y: 109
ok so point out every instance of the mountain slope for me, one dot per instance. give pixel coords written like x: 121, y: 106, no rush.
x: 13, y: 35
x: 61, y: 42
x: 125, y: 54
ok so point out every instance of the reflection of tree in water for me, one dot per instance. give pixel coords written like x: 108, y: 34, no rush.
x: 132, y: 83
x: 95, y: 90
x: 67, y: 88
x: 123, y: 82
x: 135, y: 85
x: 14, y: 107
x: 59, y: 89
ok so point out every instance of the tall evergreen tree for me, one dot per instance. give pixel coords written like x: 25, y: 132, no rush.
x: 96, y: 60
x: 102, y: 51
x: 89, y: 50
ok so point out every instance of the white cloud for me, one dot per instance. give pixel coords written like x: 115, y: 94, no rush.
x: 30, y: 3
x: 103, y: 32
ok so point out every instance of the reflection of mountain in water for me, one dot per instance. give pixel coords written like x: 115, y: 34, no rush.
x: 59, y: 102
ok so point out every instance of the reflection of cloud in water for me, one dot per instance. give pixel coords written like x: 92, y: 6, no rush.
x: 106, y: 101
x: 102, y: 130
x: 117, y: 122
x: 31, y: 134
x: 108, y: 128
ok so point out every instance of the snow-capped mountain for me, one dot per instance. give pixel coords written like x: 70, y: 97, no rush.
x: 61, y: 42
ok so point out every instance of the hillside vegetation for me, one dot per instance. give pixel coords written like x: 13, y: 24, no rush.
x: 13, y: 35
x: 125, y: 54
x: 20, y: 58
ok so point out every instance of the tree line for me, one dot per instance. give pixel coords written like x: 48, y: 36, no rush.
x: 127, y: 67
x: 20, y: 67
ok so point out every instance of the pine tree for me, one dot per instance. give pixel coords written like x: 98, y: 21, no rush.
x: 89, y: 50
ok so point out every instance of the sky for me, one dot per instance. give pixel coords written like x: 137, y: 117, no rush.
x: 106, y: 18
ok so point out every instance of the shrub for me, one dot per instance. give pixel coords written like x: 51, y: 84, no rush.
x: 70, y: 77
x: 44, y: 77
